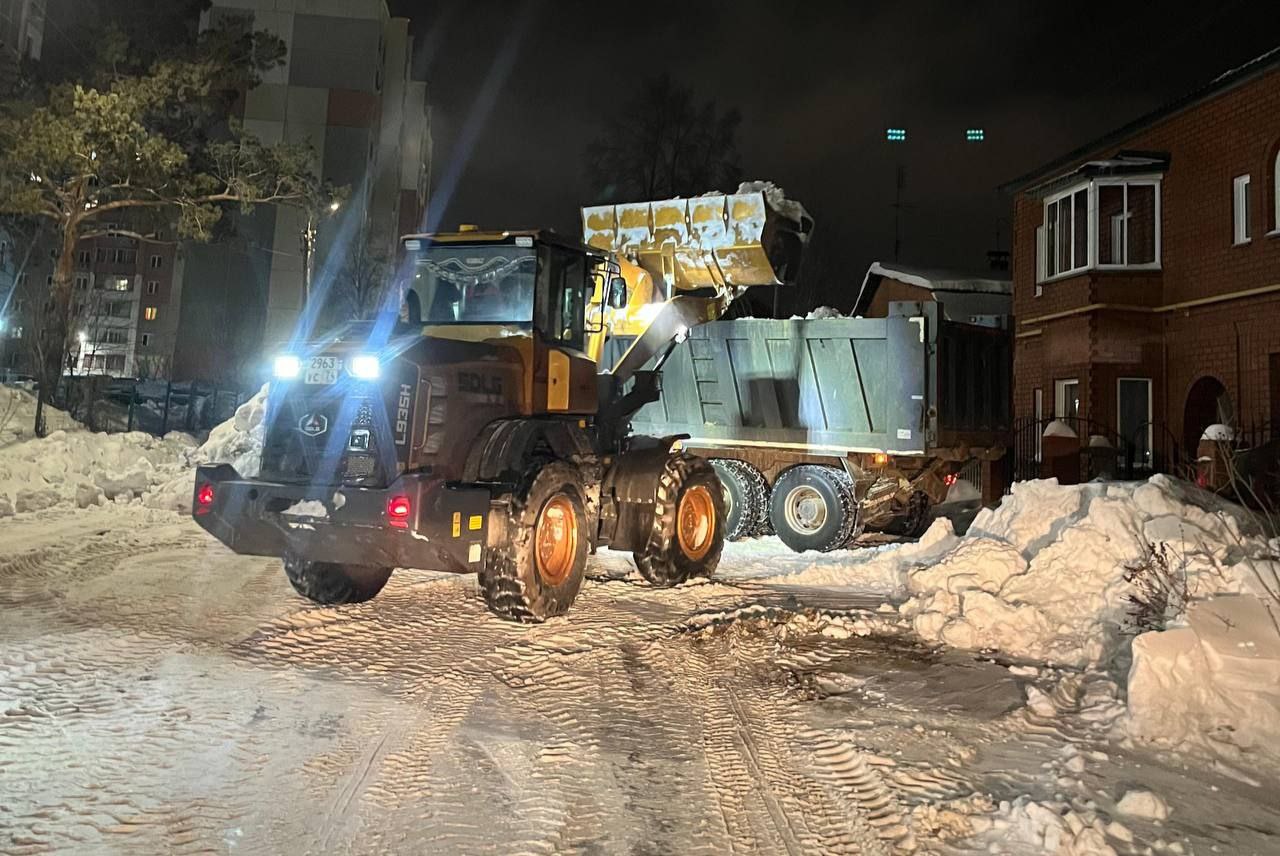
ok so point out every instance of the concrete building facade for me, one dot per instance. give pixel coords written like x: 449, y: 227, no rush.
x: 346, y: 89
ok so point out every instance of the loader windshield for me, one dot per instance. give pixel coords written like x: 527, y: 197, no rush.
x: 476, y: 284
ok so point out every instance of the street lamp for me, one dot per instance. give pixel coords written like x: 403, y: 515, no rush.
x: 83, y: 337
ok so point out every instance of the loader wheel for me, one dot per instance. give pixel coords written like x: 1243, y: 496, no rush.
x: 745, y: 498
x: 331, y: 583
x: 536, y: 573
x: 813, y: 508
x: 688, y: 523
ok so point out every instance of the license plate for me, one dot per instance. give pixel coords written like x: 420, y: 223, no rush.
x: 321, y: 370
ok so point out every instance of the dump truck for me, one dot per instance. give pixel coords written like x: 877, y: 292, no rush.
x: 485, y: 430
x: 821, y: 428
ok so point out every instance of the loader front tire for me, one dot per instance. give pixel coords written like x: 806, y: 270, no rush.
x: 535, y: 573
x: 688, y: 523
x: 331, y: 583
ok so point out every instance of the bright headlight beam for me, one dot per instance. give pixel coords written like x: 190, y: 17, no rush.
x: 286, y: 366
x: 365, y: 366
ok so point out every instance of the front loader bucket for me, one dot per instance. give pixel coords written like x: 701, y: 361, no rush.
x: 714, y: 241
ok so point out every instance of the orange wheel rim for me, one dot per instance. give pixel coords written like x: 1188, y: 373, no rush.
x: 696, y: 522
x: 555, y: 539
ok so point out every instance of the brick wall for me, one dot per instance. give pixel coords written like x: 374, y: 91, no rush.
x: 1235, y: 133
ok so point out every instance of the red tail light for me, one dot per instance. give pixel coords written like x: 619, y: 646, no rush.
x: 398, y: 509
x: 949, y: 479
x: 204, y: 496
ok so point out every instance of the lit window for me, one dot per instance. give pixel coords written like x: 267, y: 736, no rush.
x: 150, y: 313
x: 119, y: 283
x: 1240, y: 210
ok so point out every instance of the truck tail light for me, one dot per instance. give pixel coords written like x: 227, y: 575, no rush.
x: 880, y: 459
x: 398, y: 509
x: 204, y: 498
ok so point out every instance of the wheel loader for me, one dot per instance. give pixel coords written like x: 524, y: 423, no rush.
x: 484, y: 431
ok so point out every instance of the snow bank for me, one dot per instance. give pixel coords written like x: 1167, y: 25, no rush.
x: 82, y: 468
x: 1213, y: 684
x: 1041, y: 577
x: 874, y: 569
x: 824, y: 312
x: 237, y: 442
x: 1048, y: 828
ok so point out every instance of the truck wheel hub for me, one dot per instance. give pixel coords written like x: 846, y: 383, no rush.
x: 697, y: 522
x: 555, y: 539
x: 806, y: 511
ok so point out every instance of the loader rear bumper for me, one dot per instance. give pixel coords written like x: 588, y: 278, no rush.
x: 444, y: 530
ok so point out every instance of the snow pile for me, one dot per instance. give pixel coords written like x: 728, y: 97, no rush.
x: 778, y: 201
x: 1041, y: 577
x: 874, y: 569
x: 82, y: 468
x: 1213, y: 684
x: 1025, y: 825
x: 237, y: 442
x: 824, y: 312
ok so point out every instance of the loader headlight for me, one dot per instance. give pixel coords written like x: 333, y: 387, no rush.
x: 286, y: 367
x: 365, y: 366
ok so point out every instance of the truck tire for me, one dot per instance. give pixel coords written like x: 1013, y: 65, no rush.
x: 813, y: 508
x: 688, y: 523
x: 331, y: 583
x: 746, y: 498
x: 536, y: 572
x: 914, y: 518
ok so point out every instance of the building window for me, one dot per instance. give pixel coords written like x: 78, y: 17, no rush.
x: 1275, y: 172
x: 150, y: 313
x: 156, y: 261
x: 1240, y: 210
x: 146, y: 339
x: 118, y: 283
x: 119, y: 309
x: 153, y: 286
x: 1066, y: 398
x: 113, y: 336
x: 48, y: 280
x: 1105, y: 223
x: 1133, y: 417
x: 84, y: 257
x: 82, y: 282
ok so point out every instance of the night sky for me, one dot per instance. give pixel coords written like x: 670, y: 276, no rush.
x: 517, y: 89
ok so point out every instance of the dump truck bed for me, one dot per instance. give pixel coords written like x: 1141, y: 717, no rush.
x: 906, y: 384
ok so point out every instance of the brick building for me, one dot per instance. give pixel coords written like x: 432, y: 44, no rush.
x: 1146, y: 271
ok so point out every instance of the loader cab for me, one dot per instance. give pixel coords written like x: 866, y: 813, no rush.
x: 527, y: 291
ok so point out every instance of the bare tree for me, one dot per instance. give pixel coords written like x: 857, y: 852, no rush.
x: 361, y: 282
x: 663, y: 143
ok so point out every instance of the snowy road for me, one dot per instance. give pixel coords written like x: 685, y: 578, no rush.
x: 159, y: 694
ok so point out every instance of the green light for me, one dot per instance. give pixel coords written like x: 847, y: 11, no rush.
x: 895, y: 135
x: 975, y: 135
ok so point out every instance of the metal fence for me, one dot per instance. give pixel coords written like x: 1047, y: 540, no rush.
x: 153, y: 406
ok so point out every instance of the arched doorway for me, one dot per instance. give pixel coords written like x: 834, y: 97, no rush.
x: 1207, y: 404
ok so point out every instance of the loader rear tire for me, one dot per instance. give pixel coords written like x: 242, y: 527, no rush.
x: 813, y: 508
x: 332, y: 584
x: 688, y: 523
x: 536, y: 572
x: 746, y: 498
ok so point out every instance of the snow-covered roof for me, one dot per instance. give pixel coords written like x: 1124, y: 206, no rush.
x: 945, y: 284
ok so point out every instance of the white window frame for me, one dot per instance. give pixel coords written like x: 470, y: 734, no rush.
x: 1150, y: 413
x: 1060, y: 399
x: 1240, y: 225
x: 156, y: 261
x: 1091, y: 256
